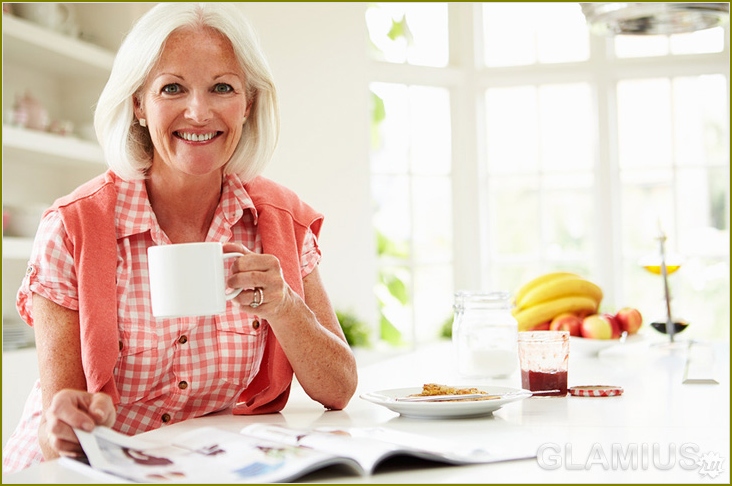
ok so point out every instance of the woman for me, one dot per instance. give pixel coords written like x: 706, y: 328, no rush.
x: 187, y: 121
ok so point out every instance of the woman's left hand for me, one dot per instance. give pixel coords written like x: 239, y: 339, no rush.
x: 260, y: 275
x: 307, y: 328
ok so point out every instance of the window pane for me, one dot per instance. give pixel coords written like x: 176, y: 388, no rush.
x: 568, y: 215
x: 700, y: 42
x: 640, y: 45
x: 514, y: 216
x: 551, y: 127
x: 394, y: 294
x: 430, y: 130
x: 433, y: 299
x: 701, y: 120
x: 432, y: 219
x: 414, y: 132
x: 644, y: 123
x: 392, y: 218
x: 413, y: 33
x: 567, y: 127
x: 512, y: 129
x: 390, y: 129
x: 553, y: 223
x: 703, y: 212
x: 517, y: 34
x: 703, y: 41
x: 647, y: 198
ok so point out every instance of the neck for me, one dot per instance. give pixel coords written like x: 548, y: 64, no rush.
x: 185, y: 207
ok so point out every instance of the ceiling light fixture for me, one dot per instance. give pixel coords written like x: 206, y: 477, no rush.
x: 653, y: 18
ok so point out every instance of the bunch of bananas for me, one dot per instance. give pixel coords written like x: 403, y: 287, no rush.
x: 543, y: 298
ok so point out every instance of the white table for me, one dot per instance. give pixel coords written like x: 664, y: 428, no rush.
x: 661, y: 422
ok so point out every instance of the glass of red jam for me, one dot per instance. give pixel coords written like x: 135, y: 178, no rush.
x: 544, y: 356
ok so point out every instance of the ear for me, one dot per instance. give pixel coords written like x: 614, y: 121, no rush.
x: 137, y: 107
x: 249, y: 108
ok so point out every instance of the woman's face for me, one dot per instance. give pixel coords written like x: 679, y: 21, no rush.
x: 194, y: 102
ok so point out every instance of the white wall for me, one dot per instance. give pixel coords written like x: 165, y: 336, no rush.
x: 318, y: 53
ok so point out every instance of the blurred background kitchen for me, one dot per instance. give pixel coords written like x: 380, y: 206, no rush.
x: 451, y: 146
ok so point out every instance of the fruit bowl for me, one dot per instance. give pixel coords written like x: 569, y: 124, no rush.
x: 579, y: 346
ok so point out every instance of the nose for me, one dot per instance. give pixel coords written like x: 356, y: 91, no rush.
x: 198, y: 108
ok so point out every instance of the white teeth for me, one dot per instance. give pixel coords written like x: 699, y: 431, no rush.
x: 193, y: 137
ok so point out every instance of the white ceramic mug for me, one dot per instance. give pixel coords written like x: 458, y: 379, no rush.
x: 188, y: 279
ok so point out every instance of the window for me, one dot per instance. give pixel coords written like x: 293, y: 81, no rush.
x: 536, y: 146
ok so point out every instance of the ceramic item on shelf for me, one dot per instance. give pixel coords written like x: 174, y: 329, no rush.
x: 6, y: 219
x: 28, y: 112
x: 60, y: 17
x: 23, y: 220
x: 62, y: 127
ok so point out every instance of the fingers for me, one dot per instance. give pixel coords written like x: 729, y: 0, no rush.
x: 71, y: 407
x: 76, y: 409
x: 102, y: 410
x: 236, y: 247
x: 64, y: 447
x: 260, y: 275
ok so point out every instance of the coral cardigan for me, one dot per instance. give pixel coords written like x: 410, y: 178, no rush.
x: 88, y: 215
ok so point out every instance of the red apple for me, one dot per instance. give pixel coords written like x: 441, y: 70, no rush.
x: 544, y: 326
x: 597, y: 326
x: 617, y: 328
x: 630, y: 319
x: 567, y: 322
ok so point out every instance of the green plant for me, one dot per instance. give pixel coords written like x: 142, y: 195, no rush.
x: 446, y: 329
x: 356, y: 331
x: 391, y: 288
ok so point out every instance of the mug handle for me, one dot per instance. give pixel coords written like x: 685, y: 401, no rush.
x: 235, y: 292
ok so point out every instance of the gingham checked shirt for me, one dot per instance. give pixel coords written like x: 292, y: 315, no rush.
x: 169, y: 370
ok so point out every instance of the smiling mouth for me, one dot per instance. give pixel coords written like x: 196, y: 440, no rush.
x: 196, y: 137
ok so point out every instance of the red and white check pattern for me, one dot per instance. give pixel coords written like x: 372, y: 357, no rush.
x: 169, y: 370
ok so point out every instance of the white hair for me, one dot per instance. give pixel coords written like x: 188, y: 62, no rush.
x: 127, y: 146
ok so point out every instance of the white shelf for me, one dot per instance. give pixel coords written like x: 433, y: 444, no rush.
x: 17, y: 248
x: 28, y: 44
x: 35, y: 146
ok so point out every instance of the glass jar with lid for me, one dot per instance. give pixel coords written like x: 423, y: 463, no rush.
x: 485, y: 334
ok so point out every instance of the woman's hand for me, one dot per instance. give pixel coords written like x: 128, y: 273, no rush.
x: 260, y: 275
x: 75, y: 409
x: 307, y: 328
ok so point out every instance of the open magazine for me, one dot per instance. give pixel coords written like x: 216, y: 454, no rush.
x: 263, y: 453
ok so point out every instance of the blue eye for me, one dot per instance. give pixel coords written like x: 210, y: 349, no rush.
x: 171, y: 88
x: 223, y: 88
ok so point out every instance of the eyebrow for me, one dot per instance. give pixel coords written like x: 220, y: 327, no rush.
x: 215, y: 77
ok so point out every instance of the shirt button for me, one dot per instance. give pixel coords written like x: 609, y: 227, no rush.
x: 255, y: 324
x: 183, y: 385
x: 183, y: 339
x: 165, y: 418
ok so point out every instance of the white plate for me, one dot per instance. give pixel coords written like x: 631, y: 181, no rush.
x: 592, y: 347
x: 438, y: 410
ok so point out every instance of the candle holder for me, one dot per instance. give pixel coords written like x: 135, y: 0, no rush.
x: 664, y: 266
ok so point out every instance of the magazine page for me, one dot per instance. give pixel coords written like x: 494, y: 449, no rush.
x: 337, y: 441
x: 205, y: 455
x: 369, y: 446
